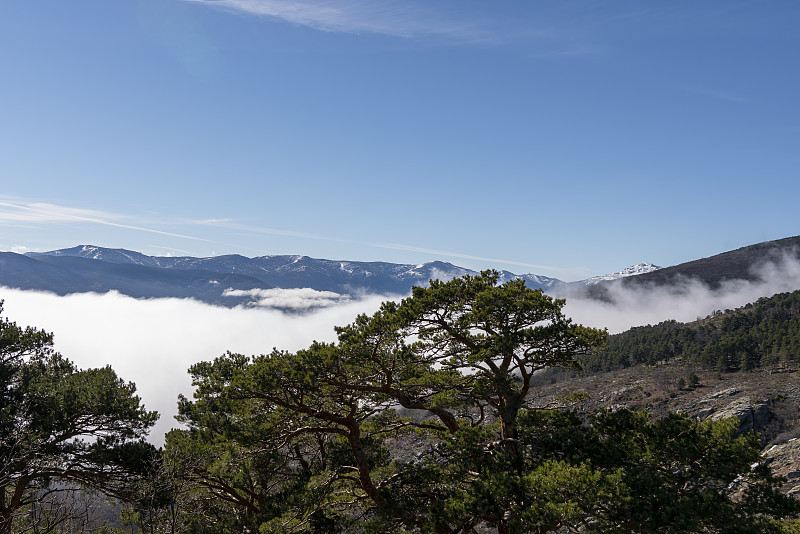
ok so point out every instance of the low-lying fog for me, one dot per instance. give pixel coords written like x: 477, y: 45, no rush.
x: 685, y: 301
x: 153, y: 342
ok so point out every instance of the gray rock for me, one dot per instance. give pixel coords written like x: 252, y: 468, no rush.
x: 729, y: 392
x: 705, y: 413
x: 751, y: 416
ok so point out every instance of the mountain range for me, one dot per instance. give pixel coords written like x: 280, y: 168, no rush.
x: 231, y: 280
x: 234, y: 280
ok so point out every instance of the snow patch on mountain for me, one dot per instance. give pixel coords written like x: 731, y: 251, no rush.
x: 633, y: 270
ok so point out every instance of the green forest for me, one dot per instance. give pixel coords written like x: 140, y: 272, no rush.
x: 765, y: 333
x: 416, y: 420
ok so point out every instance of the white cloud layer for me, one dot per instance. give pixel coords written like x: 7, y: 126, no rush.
x: 289, y: 299
x: 153, y: 342
x: 683, y: 302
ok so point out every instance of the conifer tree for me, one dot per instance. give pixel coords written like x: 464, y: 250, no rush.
x: 62, y: 425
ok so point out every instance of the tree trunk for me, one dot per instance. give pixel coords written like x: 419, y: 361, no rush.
x: 7, y: 508
x: 360, y: 457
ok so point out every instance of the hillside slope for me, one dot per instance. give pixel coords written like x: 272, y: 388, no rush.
x: 763, y: 401
x: 739, y: 264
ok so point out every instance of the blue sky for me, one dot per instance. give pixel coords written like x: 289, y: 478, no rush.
x: 567, y: 138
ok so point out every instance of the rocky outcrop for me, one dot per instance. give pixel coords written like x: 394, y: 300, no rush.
x: 762, y: 401
x: 730, y: 403
x: 784, y: 459
x: 751, y: 415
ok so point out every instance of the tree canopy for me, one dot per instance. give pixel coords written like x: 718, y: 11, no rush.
x: 60, y: 424
x: 765, y: 333
x: 418, y: 420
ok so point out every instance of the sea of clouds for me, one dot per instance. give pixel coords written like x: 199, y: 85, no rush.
x: 152, y: 342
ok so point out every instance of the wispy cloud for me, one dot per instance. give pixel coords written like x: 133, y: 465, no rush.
x: 386, y: 17
x: 16, y: 211
x: 226, y: 223
x: 467, y: 256
x: 229, y: 224
x: 41, y: 212
x: 38, y: 212
x: 576, y: 51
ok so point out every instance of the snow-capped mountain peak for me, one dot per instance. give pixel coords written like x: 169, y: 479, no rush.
x: 633, y: 270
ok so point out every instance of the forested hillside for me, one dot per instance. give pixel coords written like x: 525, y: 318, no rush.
x: 765, y: 333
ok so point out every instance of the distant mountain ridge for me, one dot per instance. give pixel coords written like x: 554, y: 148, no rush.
x: 290, y: 271
x: 231, y: 280
x: 234, y: 280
